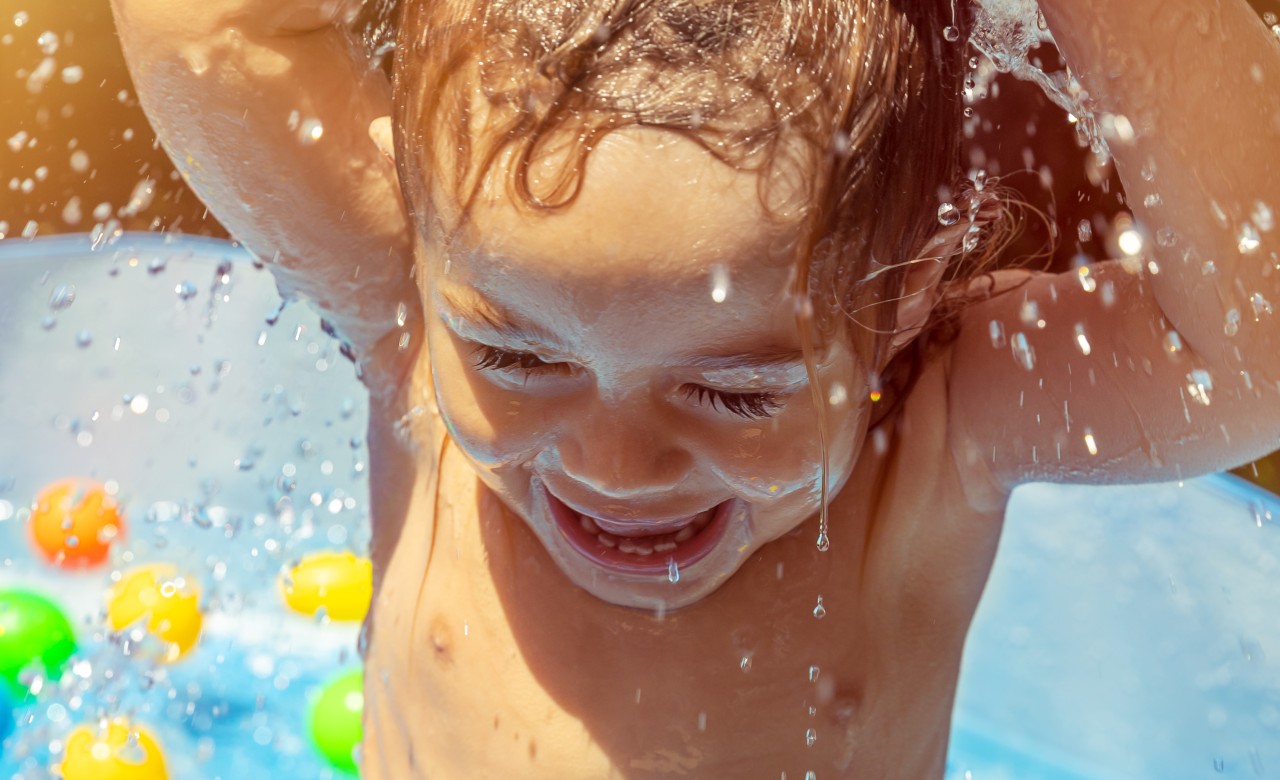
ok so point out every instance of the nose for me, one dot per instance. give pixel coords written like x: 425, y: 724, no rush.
x: 623, y: 449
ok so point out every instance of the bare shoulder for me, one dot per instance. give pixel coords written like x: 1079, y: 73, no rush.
x: 265, y: 109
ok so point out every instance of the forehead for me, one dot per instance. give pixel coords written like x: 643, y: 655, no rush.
x: 654, y: 208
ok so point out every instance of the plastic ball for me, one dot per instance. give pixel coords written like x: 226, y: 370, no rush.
x: 32, y: 629
x: 75, y: 523
x: 334, y: 720
x: 338, y: 582
x: 167, y: 601
x: 121, y: 751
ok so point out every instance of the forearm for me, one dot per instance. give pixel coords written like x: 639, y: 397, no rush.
x: 1199, y: 80
x: 230, y: 86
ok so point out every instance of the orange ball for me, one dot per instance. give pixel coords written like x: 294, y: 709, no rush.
x: 75, y: 522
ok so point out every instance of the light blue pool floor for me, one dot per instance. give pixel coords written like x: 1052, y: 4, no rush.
x: 1127, y: 632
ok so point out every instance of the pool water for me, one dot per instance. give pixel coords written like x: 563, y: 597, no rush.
x: 1127, y: 632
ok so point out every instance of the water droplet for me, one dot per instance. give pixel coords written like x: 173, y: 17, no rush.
x: 824, y: 544
x: 1208, y: 268
x: 1249, y: 239
x: 810, y: 737
x: 996, y: 330
x: 185, y: 290
x: 157, y: 264
x: 21, y: 18
x: 951, y: 33
x: 1232, y: 325
x: 838, y: 394
x: 47, y: 322
x: 1260, y: 305
x: 719, y: 283
x: 1082, y: 341
x: 820, y: 611
x: 1090, y: 442
x: 310, y: 131
x: 1167, y: 237
x: 811, y: 775
x: 1263, y: 217
x: 1199, y: 386
x: 745, y: 663
x: 1029, y: 312
x: 673, y: 570
x: 1023, y: 353
x: 1172, y: 342
x: 84, y: 338
x: 48, y: 42
x: 948, y: 214
x: 1152, y: 200
x: 979, y: 180
x: 1087, y: 282
x: 1108, y: 294
x: 814, y: 671
x: 1130, y: 241
x: 1084, y: 231
x: 62, y: 296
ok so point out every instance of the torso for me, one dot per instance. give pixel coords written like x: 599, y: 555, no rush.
x: 486, y: 662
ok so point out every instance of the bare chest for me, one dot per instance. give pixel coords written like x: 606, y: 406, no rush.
x: 487, y: 662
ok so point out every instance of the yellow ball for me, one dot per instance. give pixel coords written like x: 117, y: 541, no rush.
x: 120, y: 751
x: 340, y: 583
x: 167, y: 601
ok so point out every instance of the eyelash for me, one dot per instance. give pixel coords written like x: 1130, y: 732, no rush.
x: 752, y: 406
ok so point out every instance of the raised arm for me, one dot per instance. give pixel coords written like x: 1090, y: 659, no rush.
x: 265, y: 111
x: 1165, y: 366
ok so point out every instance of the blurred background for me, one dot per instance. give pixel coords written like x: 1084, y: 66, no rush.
x: 81, y: 156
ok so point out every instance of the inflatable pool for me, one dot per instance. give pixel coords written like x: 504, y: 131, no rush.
x: 1127, y: 632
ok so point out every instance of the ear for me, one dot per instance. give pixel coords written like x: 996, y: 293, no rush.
x: 920, y: 285
x: 380, y: 132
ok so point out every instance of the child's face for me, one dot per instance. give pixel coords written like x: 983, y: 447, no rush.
x: 634, y: 358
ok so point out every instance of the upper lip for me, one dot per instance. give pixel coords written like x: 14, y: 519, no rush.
x: 626, y: 519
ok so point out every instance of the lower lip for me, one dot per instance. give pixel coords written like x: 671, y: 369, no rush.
x: 686, y: 554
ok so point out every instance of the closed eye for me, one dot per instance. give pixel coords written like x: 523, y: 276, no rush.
x: 752, y: 406
x: 489, y: 358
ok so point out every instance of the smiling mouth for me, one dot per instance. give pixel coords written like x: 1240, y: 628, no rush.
x: 629, y: 551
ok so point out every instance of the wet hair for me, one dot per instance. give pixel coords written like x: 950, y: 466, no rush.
x: 870, y: 88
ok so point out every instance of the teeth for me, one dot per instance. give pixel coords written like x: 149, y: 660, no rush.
x: 684, y: 534
x: 664, y: 547
x: 608, y: 540
x: 648, y: 545
x: 634, y: 547
x: 588, y: 524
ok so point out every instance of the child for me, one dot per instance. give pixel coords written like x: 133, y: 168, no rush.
x: 671, y: 278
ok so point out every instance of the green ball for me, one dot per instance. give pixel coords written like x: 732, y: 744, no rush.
x: 32, y: 628
x: 334, y: 720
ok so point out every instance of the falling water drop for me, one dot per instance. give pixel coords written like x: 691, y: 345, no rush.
x: 1082, y: 340
x: 1232, y: 325
x: 185, y: 290
x: 951, y: 33
x: 1249, y: 239
x: 820, y: 611
x: 1263, y: 217
x: 810, y: 736
x: 1172, y: 342
x: 824, y: 541
x: 48, y: 42
x: 310, y: 131
x: 84, y: 338
x: 1260, y: 305
x: 1090, y: 442
x: 745, y: 663
x: 996, y: 330
x: 1087, y: 282
x: 1029, y: 312
x: 1199, y: 386
x: 1023, y: 353
x: 814, y: 671
x: 948, y: 214
x: 719, y: 283
x: 673, y: 571
x: 62, y: 296
x: 1084, y: 231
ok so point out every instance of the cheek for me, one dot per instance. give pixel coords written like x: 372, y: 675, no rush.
x: 494, y: 427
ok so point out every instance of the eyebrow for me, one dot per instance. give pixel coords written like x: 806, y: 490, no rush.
x: 471, y: 305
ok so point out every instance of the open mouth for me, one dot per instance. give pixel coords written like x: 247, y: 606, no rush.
x: 682, y: 543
